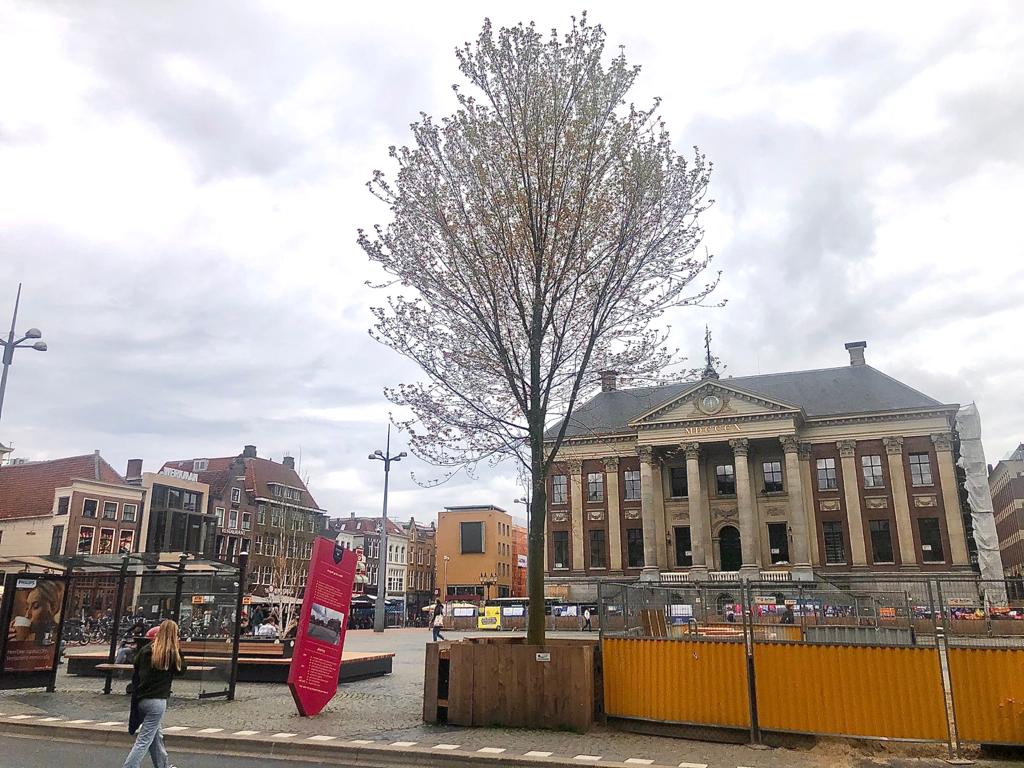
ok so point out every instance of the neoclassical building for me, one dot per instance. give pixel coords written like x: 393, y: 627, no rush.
x: 779, y: 476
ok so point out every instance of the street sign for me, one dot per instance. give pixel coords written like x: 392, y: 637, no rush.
x: 320, y: 636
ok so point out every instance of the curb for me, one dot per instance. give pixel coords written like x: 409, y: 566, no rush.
x: 342, y: 753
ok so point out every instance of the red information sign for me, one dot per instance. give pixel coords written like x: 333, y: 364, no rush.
x: 313, y: 675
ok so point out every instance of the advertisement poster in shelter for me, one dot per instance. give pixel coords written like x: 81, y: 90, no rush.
x: 32, y: 619
x: 316, y: 660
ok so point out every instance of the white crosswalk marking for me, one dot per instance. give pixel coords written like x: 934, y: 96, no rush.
x: 22, y: 717
x: 403, y: 743
x: 175, y: 728
x: 283, y: 735
x: 693, y: 765
x: 491, y: 750
x: 321, y: 738
x: 245, y: 733
x: 639, y: 761
x: 360, y: 741
x: 82, y: 722
x: 446, y: 746
x: 587, y: 758
x: 50, y: 719
x: 111, y: 724
x: 210, y: 730
x: 535, y: 753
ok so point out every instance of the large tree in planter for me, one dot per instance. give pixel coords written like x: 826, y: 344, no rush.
x: 537, y: 234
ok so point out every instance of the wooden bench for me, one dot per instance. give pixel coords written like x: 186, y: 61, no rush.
x: 131, y: 667
x: 246, y: 648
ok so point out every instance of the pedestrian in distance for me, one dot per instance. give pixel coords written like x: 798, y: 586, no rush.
x: 437, y: 623
x: 788, y: 616
x: 155, y: 667
x: 269, y: 628
x: 586, y: 620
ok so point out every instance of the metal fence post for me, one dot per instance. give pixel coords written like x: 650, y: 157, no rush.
x: 243, y: 562
x: 112, y: 653
x: 748, y: 643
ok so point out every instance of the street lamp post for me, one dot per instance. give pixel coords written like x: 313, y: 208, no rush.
x: 10, y: 345
x: 382, y: 572
x: 487, y: 579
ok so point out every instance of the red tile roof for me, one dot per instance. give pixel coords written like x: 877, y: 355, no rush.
x: 259, y: 474
x: 26, y: 490
x: 364, y: 525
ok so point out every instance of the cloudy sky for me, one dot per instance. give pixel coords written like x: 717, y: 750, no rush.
x: 181, y: 184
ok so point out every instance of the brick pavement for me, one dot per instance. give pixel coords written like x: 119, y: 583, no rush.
x: 387, y: 710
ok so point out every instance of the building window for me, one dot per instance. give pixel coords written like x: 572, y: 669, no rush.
x: 219, y: 511
x: 931, y: 539
x: 236, y: 495
x: 471, y: 538
x: 85, y: 536
x: 275, y: 518
x: 200, y: 465
x: 125, y: 542
x: 110, y: 510
x: 632, y: 478
x: 920, y: 469
x: 677, y: 482
x: 871, y: 466
x: 62, y: 505
x: 106, y: 541
x: 778, y: 542
x: 56, y: 539
x: 684, y: 556
x: 595, y: 486
x: 725, y: 476
x: 259, y: 545
x: 233, y: 519
x: 881, y: 540
x: 559, y: 489
x: 560, y: 548
x: 827, y: 475
x: 89, y: 507
x: 634, y: 547
x: 128, y: 512
x: 261, y: 514
x: 835, y: 550
x: 246, y: 521
x: 245, y: 546
x: 772, y: 476
x: 597, y: 549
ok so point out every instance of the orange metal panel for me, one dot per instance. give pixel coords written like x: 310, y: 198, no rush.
x: 988, y: 691
x: 850, y: 690
x: 676, y: 681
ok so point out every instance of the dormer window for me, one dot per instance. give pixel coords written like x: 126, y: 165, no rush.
x: 200, y: 465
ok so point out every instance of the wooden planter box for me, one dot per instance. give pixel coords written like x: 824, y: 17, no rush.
x: 503, y: 681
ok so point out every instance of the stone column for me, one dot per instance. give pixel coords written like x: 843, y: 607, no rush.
x: 611, y: 473
x: 576, y: 499
x: 698, y: 515
x: 801, y: 554
x: 749, y: 540
x: 951, y: 499
x: 804, y: 454
x: 851, y: 487
x: 901, y: 502
x: 650, y: 571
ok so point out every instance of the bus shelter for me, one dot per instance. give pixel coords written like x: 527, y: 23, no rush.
x: 94, y: 610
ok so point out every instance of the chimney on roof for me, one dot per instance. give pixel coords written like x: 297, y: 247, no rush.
x: 134, y: 472
x: 608, y: 380
x: 96, y: 464
x: 352, y: 515
x: 856, y: 350
x: 289, y: 461
x: 249, y: 452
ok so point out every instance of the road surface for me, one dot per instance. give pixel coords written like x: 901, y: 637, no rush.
x: 18, y: 752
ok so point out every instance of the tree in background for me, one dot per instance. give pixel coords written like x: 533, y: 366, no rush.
x: 536, y: 235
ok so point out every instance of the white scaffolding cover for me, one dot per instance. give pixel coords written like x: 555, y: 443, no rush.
x: 972, y: 459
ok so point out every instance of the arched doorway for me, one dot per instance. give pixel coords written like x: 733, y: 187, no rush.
x: 730, y: 555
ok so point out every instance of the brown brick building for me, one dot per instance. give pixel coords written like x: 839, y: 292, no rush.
x: 1006, y: 482
x: 263, y: 507
x: 835, y: 471
x: 422, y: 554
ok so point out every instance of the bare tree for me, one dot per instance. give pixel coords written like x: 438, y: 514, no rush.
x: 537, y: 233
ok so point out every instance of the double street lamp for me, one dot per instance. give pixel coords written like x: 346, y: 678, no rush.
x: 31, y: 335
x: 382, y: 556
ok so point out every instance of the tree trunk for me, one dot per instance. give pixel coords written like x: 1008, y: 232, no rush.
x: 535, y: 547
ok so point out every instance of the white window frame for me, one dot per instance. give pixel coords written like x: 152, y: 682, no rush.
x: 219, y: 512
x: 200, y: 465
x: 104, y: 513
x: 124, y: 512
x: 236, y: 495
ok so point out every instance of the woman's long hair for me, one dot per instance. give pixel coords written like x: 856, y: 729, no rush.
x: 166, y: 649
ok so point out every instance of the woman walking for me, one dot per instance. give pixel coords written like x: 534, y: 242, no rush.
x: 155, y: 666
x: 437, y: 623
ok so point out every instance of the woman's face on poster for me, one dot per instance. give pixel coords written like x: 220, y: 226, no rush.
x: 39, y: 610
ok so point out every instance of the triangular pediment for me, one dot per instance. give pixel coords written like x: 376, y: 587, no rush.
x: 713, y: 399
